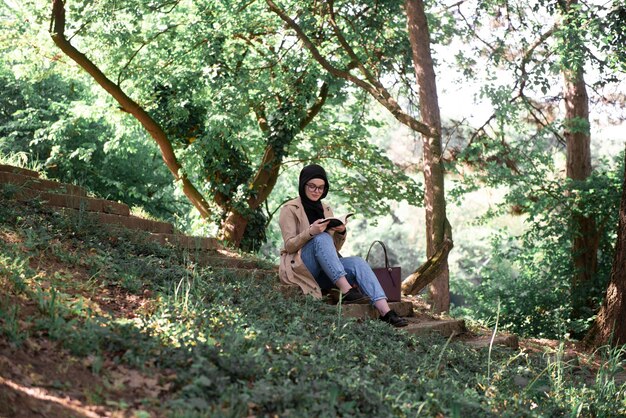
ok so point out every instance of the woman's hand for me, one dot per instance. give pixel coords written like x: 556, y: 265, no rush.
x: 339, y: 228
x: 317, y: 227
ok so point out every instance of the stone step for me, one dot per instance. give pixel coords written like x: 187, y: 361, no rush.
x: 34, y: 183
x: 368, y: 311
x: 134, y: 222
x: 88, y: 204
x: 130, y: 222
x: 445, y: 327
x: 18, y: 170
x: 506, y: 340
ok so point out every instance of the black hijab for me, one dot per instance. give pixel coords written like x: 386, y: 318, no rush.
x: 314, y: 210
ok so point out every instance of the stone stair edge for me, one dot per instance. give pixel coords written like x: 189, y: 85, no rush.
x: 210, y: 253
x: 74, y: 201
x: 445, y: 327
x: 188, y: 241
x: 484, y: 341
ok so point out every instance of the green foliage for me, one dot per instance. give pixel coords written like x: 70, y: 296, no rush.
x: 611, y: 32
x: 532, y: 274
x: 224, y: 81
x: 77, y: 142
x: 256, y: 231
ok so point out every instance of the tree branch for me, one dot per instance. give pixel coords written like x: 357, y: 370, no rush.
x: 316, y: 107
x: 377, y: 92
x: 57, y: 25
x: 346, y: 46
x: 134, y: 54
x: 528, y: 55
x: 430, y: 270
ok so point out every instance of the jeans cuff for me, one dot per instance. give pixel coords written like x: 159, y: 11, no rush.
x: 338, y: 276
x: 377, y: 299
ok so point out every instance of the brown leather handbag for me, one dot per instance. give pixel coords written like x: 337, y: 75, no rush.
x: 388, y: 277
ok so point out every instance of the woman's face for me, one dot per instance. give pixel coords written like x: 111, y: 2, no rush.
x: 314, y: 189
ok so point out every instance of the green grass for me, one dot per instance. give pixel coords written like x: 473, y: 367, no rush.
x: 237, y: 347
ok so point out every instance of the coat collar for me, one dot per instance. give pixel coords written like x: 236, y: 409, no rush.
x: 298, y: 203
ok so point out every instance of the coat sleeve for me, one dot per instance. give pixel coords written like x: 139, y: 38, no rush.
x: 292, y: 238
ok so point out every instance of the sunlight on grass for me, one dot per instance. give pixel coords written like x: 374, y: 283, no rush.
x: 22, y: 160
x: 232, y: 343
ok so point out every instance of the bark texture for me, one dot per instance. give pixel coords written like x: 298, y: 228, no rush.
x: 610, y: 325
x: 435, y: 203
x: 129, y: 105
x: 586, y: 240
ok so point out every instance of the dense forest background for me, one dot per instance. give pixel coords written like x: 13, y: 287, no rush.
x: 202, y: 113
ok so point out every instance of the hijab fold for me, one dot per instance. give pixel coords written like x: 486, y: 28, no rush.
x: 313, y: 209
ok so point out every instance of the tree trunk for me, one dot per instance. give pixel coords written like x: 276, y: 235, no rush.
x: 586, y: 237
x: 433, y: 165
x: 610, y: 326
x: 233, y: 228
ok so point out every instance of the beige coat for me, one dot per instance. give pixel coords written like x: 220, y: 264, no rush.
x: 294, y: 226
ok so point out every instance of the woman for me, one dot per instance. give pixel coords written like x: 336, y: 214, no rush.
x: 310, y: 258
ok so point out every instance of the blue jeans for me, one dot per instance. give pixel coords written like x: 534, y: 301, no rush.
x: 320, y: 257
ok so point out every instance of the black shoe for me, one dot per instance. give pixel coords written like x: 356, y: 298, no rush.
x: 394, y: 320
x: 354, y: 295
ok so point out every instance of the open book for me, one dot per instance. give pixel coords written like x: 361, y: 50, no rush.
x: 334, y: 221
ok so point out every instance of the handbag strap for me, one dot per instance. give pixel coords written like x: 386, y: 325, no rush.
x: 384, y: 250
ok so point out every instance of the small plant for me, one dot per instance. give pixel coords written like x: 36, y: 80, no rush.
x: 9, y: 324
x: 130, y: 282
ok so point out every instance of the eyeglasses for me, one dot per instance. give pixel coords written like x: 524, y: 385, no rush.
x: 313, y: 188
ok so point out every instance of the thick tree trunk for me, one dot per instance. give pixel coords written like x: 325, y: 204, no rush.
x: 435, y: 202
x: 234, y: 226
x: 129, y: 105
x: 610, y: 325
x: 586, y: 240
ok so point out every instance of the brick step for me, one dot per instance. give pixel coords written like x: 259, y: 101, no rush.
x: 187, y: 242
x: 228, y: 272
x: 506, y: 340
x: 35, y: 183
x: 211, y: 258
x: 368, y: 311
x: 88, y: 204
x: 18, y: 170
x: 130, y: 222
x: 445, y: 327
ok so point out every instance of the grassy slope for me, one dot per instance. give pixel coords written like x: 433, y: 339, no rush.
x: 102, y: 324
